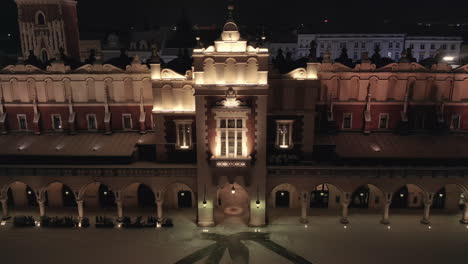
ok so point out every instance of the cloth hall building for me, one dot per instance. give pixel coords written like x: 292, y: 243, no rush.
x: 231, y: 137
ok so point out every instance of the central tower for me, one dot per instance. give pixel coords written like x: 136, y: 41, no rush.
x: 231, y: 89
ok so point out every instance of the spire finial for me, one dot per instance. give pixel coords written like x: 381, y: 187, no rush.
x: 231, y: 8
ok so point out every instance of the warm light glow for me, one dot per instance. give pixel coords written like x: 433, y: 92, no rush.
x: 38, y: 223
x: 158, y: 225
x: 388, y: 227
x: 66, y: 193
x: 233, y: 190
x: 29, y: 192
x: 119, y: 225
x: 402, y: 195
x: 258, y: 203
x: 204, y: 204
x: 284, y: 146
x: 449, y: 58
x: 182, y: 194
x: 282, y: 193
x: 361, y: 194
x: 429, y: 227
x: 105, y: 193
x: 345, y: 227
x: 441, y: 195
x: 79, y: 224
x: 184, y: 147
x: 306, y: 226
x: 205, y: 230
x: 3, y: 223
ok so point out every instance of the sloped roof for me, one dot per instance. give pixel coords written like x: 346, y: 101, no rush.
x: 389, y: 145
x: 61, y: 148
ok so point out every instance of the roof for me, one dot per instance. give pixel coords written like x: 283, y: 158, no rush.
x: 62, y: 148
x: 380, y: 145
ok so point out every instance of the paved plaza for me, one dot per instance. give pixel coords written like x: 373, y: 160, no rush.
x: 323, y: 240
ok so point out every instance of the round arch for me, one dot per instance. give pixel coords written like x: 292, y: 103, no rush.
x: 19, y: 194
x: 367, y: 196
x: 178, y: 195
x: 408, y: 196
x: 284, y: 196
x: 326, y: 195
x: 97, y: 195
x: 450, y: 197
x: 57, y: 195
x: 232, y: 201
x: 138, y: 195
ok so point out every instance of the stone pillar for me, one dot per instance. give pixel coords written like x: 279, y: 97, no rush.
x: 42, y: 209
x: 159, y: 205
x: 119, y: 210
x: 464, y: 219
x: 344, y: 205
x: 5, y: 209
x: 304, y: 206
x: 80, y: 209
x: 427, y: 209
x: 386, y: 208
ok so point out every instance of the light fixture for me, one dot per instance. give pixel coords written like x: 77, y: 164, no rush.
x: 119, y: 225
x: 182, y: 194
x: 233, y: 190
x: 204, y: 197
x: 429, y: 227
x: 388, y: 227
x: 321, y: 194
x: 258, y: 200
x: 282, y: 193
x: 38, y: 223
x: 345, y: 227
x: 66, y: 192
x: 402, y: 195
x: 306, y: 226
x: 441, y: 195
x: 158, y: 224
x: 105, y: 193
x: 29, y: 192
x: 362, y: 194
x: 79, y: 224
x: 205, y: 230
x: 3, y: 223
x: 449, y: 58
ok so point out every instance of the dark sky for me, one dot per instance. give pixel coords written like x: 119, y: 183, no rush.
x: 106, y: 14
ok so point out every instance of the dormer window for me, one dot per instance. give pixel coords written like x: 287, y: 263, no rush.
x: 284, y: 133
x: 40, y: 19
x: 184, y: 134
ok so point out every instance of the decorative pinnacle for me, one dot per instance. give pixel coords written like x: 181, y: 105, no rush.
x: 231, y: 8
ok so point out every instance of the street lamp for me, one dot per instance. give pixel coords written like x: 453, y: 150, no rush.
x: 233, y: 190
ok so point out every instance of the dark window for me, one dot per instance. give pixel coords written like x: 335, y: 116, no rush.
x: 383, y: 124
x: 347, y: 121
x: 455, y: 122
x: 92, y: 123
x: 127, y: 121
x: 41, y: 21
x: 56, y: 122
x: 22, y: 122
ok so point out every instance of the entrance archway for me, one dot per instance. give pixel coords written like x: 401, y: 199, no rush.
x: 367, y: 197
x: 98, y: 196
x: 325, y: 195
x: 232, y: 204
x: 283, y: 196
x: 138, y: 198
x: 178, y: 196
x: 450, y: 198
x: 20, y: 197
x: 282, y: 199
x: 409, y: 196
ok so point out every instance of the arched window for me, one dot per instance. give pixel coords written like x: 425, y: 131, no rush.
x: 40, y: 19
x: 44, y: 56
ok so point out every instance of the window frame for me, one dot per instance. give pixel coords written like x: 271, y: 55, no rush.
x: 280, y: 143
x: 186, y: 142
x: 387, y: 121
x: 19, y: 117
x: 221, y: 114
x: 52, y: 118
x: 350, y: 121
x: 38, y: 14
x: 123, y: 121
x: 459, y: 122
x: 88, y: 116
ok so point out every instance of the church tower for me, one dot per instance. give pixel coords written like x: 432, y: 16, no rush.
x: 46, y: 26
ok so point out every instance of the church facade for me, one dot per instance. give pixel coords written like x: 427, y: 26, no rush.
x: 230, y: 137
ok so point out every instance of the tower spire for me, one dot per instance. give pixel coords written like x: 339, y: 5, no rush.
x: 231, y: 8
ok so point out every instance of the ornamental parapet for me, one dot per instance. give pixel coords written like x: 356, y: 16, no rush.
x: 99, y: 172
x: 369, y: 172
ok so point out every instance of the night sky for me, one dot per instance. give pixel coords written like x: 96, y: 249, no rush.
x: 120, y: 15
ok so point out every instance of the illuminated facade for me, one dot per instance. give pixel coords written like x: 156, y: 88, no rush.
x: 233, y: 137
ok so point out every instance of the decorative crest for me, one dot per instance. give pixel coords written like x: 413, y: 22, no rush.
x: 231, y: 99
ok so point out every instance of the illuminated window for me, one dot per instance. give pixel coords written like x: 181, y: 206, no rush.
x: 383, y: 121
x: 92, y: 121
x: 184, y: 134
x: 56, y: 122
x: 127, y: 121
x: 455, y: 123
x: 284, y: 133
x: 232, y: 137
x: 22, y: 122
x: 347, y: 120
